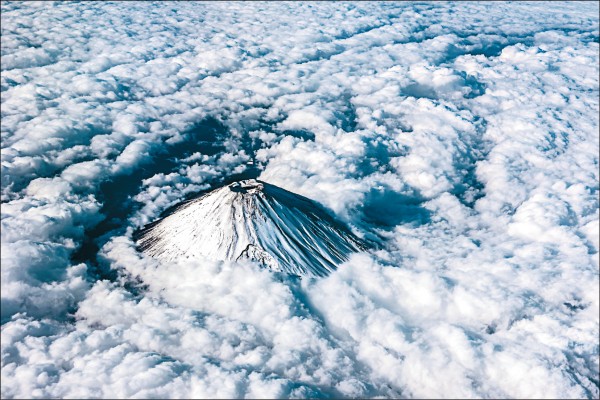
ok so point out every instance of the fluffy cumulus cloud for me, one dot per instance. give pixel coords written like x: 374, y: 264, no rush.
x: 461, y: 140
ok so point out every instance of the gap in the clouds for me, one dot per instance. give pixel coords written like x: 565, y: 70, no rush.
x: 418, y: 91
x: 346, y: 116
x: 470, y: 189
x: 467, y: 46
x: 116, y: 194
x: 472, y: 44
x: 387, y: 208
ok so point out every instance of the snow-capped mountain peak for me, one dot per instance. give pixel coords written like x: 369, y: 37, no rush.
x: 254, y: 220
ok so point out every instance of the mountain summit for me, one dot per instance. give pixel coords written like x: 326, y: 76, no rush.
x: 253, y: 220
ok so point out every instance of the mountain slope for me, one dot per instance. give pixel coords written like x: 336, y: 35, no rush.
x: 256, y: 220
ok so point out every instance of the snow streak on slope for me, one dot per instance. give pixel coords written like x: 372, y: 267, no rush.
x: 253, y: 220
x: 461, y: 137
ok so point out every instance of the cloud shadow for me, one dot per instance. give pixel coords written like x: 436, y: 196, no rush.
x: 386, y: 208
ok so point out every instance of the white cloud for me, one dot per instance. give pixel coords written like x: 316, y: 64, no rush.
x: 462, y: 138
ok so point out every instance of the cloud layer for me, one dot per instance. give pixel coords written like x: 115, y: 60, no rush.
x: 462, y: 139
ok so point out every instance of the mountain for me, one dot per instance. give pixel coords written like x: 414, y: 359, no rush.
x: 253, y: 220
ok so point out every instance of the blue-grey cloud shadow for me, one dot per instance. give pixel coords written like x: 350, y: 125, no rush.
x: 385, y: 208
x: 116, y: 194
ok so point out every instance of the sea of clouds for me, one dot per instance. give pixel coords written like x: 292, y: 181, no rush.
x: 461, y: 139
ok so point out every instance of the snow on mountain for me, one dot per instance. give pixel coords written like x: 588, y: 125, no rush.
x: 255, y: 220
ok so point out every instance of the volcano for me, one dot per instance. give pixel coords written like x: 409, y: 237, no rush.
x: 253, y: 220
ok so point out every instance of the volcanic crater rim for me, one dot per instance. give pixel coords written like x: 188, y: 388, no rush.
x: 247, y: 186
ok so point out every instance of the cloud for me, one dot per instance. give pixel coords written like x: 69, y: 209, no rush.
x: 460, y: 139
